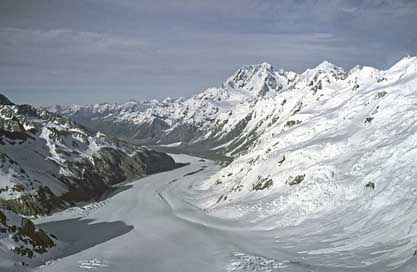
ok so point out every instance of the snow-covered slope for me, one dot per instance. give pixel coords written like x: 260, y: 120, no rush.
x: 351, y: 139
x: 341, y: 166
x: 48, y: 161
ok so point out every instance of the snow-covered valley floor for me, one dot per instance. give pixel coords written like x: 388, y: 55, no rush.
x: 152, y: 225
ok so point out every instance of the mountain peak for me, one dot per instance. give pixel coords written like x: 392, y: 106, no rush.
x: 249, y: 73
x: 404, y: 63
x: 265, y: 65
x: 327, y: 66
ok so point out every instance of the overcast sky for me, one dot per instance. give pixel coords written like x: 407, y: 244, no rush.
x: 88, y: 51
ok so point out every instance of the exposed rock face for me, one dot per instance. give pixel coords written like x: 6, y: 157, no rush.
x: 21, y: 236
x: 48, y: 162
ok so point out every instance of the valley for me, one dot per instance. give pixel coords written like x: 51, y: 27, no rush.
x: 271, y: 171
x: 142, y: 225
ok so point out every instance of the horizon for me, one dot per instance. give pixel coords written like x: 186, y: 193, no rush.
x: 89, y: 51
x: 18, y: 99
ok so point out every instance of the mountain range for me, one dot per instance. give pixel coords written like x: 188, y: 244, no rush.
x: 307, y: 141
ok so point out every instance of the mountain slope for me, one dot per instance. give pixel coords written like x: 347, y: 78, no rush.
x: 20, y: 240
x: 48, y: 162
x: 342, y: 143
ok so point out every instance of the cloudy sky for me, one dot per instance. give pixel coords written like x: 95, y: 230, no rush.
x: 87, y: 51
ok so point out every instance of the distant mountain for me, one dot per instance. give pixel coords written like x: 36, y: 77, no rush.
x: 220, y: 122
x: 48, y: 162
x: 213, y: 122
